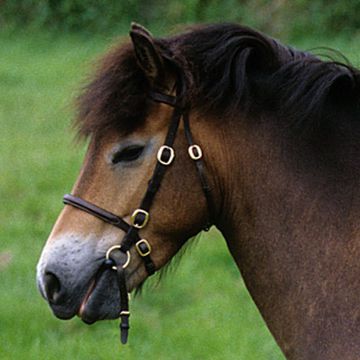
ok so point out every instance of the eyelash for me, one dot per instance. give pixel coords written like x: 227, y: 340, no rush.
x: 130, y: 153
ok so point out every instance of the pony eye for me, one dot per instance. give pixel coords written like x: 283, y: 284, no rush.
x: 130, y: 153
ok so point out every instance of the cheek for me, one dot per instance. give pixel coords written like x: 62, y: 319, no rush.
x: 180, y: 203
x: 116, y: 188
x: 126, y: 191
x: 177, y: 213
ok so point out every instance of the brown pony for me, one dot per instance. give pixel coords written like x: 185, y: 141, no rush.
x: 279, y: 130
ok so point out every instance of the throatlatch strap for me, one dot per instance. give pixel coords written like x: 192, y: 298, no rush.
x: 200, y: 170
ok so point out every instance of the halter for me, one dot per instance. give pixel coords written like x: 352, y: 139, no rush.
x: 114, y: 257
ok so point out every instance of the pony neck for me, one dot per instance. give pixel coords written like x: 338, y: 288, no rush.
x: 293, y: 231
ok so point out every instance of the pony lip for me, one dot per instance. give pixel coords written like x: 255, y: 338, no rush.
x: 91, y: 287
x: 86, y: 297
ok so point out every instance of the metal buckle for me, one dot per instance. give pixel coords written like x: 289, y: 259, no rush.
x: 127, y: 262
x: 193, y: 149
x: 133, y: 218
x: 160, y: 153
x: 138, y: 248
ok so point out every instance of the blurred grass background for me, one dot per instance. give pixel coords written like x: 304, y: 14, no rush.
x: 201, y: 311
x: 295, y: 18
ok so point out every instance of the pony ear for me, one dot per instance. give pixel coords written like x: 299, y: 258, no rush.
x: 147, y: 54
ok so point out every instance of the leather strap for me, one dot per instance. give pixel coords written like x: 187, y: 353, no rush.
x: 160, y: 168
x: 163, y: 98
x: 131, y: 237
x: 201, y: 172
x: 94, y: 210
x: 118, y: 260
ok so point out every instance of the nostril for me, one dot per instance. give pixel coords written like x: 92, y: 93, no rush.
x: 52, y: 287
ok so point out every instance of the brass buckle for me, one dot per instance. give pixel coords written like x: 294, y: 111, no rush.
x: 127, y: 262
x: 160, y: 152
x: 133, y: 218
x: 192, y: 153
x: 141, y: 253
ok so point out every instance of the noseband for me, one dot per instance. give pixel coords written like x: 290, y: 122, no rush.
x: 114, y: 257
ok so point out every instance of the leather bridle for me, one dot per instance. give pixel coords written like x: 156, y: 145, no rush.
x: 114, y: 258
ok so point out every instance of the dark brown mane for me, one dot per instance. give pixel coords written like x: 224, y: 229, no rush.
x: 229, y: 69
x: 115, y: 97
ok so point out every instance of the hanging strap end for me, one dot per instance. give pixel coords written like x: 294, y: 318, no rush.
x: 124, y: 326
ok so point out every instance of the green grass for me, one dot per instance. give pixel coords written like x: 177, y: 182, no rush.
x: 201, y: 311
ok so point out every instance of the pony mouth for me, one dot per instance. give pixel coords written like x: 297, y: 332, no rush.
x: 102, y: 298
x: 99, y: 300
x: 86, y: 298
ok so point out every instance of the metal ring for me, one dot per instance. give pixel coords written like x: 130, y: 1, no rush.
x: 191, y: 151
x: 137, y: 245
x: 108, y: 252
x: 133, y: 218
x: 160, y: 152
